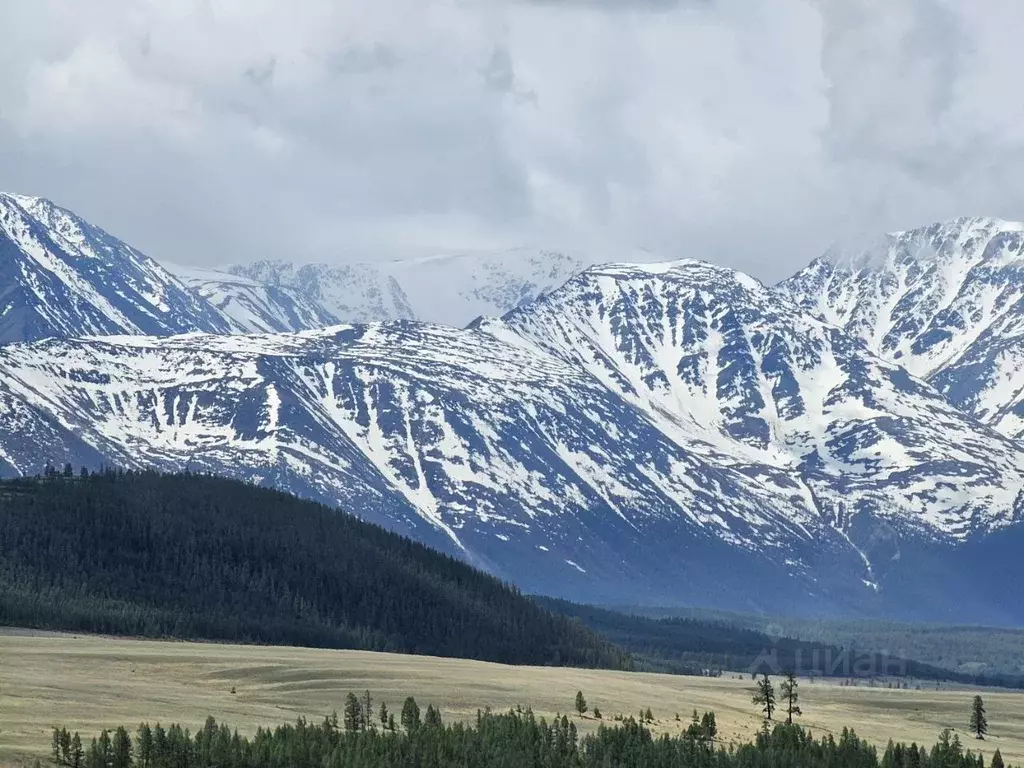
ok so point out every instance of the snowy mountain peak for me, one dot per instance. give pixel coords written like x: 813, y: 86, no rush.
x: 973, y: 238
x: 62, y: 276
x: 734, y: 372
x: 251, y: 306
x: 945, y: 301
x: 684, y: 270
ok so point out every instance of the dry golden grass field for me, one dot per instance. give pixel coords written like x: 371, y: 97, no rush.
x: 89, y: 682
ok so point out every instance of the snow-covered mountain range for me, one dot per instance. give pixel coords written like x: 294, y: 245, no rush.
x: 249, y: 306
x: 450, y: 289
x: 662, y: 433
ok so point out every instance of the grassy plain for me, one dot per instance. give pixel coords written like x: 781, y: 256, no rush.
x: 88, y: 683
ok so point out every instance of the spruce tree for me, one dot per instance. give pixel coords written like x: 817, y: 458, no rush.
x: 764, y: 696
x: 104, y: 749
x: 997, y: 760
x: 383, y: 716
x: 94, y: 757
x: 410, y: 715
x: 432, y: 718
x: 709, y: 726
x: 77, y: 753
x: 145, y: 745
x: 121, y: 749
x: 581, y: 703
x: 367, y: 712
x: 788, y: 688
x: 353, y: 715
x: 65, y: 746
x: 979, y: 724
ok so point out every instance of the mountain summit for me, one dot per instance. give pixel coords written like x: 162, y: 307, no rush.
x: 946, y: 302
x: 61, y: 276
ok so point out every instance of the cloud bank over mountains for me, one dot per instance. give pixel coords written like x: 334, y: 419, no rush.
x: 748, y: 132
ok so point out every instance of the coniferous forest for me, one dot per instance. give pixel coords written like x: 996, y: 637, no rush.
x: 510, y: 740
x: 685, y: 645
x: 202, y: 557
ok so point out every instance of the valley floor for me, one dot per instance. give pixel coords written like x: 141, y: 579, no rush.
x: 88, y: 682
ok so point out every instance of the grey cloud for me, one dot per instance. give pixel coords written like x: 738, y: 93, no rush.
x: 262, y: 74
x: 499, y: 73
x: 363, y: 60
x: 621, y: 5
x: 750, y: 132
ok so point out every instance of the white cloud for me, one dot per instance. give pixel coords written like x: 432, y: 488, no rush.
x: 750, y: 132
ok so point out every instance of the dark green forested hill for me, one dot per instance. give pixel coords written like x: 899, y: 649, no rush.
x: 194, y: 556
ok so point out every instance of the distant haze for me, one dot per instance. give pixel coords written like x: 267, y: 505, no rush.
x: 752, y: 133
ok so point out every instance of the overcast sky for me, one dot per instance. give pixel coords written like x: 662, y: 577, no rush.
x: 748, y: 132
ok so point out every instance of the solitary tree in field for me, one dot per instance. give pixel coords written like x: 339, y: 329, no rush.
x: 789, y: 695
x: 764, y: 696
x: 979, y: 725
x: 581, y: 703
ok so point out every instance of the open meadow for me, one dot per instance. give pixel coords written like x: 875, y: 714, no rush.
x: 89, y: 682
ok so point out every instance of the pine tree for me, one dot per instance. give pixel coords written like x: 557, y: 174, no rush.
x: 709, y: 726
x: 103, y: 750
x: 410, y: 715
x: 383, y: 716
x: 788, y: 689
x: 77, y: 753
x: 367, y: 712
x: 145, y: 745
x: 649, y: 716
x: 93, y: 759
x: 65, y: 747
x: 581, y: 703
x: 121, y: 749
x: 979, y: 724
x: 694, y: 732
x: 764, y: 696
x: 353, y: 715
x: 997, y: 760
x: 432, y: 718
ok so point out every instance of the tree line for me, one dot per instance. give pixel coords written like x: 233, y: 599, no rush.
x: 708, y: 646
x: 514, y: 739
x: 203, y: 557
x: 764, y: 698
